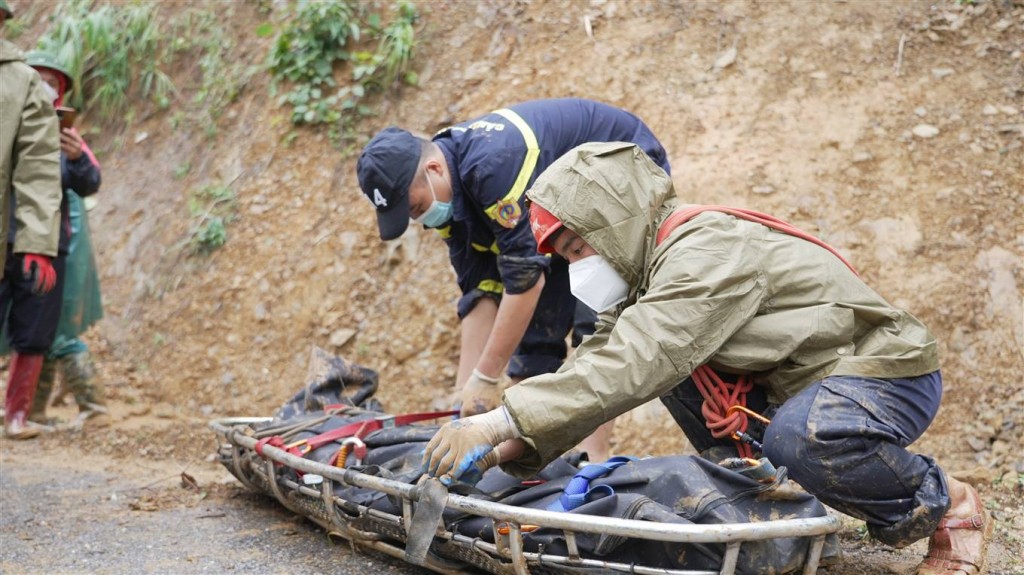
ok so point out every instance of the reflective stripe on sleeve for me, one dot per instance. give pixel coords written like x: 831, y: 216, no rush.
x: 481, y: 248
x: 491, y: 286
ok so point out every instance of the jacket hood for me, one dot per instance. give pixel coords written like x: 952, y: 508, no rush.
x: 614, y: 197
x: 9, y: 52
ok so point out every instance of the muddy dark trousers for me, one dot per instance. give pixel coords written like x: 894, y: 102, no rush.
x: 542, y: 348
x: 29, y: 320
x: 844, y: 438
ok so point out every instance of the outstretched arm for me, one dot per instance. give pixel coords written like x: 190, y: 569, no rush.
x: 514, y: 314
x: 704, y: 289
x: 490, y: 335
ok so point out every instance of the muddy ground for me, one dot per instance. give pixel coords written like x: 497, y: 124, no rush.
x: 892, y: 130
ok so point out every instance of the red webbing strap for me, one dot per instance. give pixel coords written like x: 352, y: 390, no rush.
x: 407, y: 418
x: 719, y: 395
x: 273, y: 441
x: 362, y: 428
x: 681, y: 216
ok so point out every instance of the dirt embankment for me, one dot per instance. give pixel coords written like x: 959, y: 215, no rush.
x: 891, y: 130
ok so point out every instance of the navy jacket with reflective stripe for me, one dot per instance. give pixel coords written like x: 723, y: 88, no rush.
x: 494, y: 159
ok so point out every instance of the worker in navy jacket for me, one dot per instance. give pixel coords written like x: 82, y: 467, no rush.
x: 468, y: 183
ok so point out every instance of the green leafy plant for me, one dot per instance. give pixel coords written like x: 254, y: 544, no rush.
x: 212, y: 209
x: 305, y: 52
x: 14, y: 29
x: 397, y: 42
x: 319, y: 37
x: 26, y: 13
x: 862, y: 532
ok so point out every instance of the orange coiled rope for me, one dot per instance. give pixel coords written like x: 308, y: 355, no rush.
x: 719, y: 396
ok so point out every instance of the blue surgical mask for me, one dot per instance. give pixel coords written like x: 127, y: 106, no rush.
x: 439, y: 213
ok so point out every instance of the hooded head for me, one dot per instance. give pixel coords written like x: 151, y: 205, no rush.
x: 53, y: 72
x: 613, y: 196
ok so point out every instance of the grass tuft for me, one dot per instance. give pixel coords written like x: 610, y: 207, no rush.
x: 111, y: 52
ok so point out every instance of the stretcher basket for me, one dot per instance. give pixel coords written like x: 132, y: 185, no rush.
x: 452, y: 552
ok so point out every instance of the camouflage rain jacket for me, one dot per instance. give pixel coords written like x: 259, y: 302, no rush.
x: 720, y: 290
x: 29, y: 157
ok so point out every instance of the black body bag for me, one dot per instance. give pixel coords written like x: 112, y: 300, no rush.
x: 679, y: 489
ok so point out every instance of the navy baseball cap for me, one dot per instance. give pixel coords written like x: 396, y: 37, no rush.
x: 385, y: 169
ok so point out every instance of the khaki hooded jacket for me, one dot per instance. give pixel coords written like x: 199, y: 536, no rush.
x: 29, y: 157
x: 719, y: 290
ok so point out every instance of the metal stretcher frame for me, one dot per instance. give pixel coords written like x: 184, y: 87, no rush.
x: 507, y: 555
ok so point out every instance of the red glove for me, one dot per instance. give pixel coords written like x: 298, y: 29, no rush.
x: 39, y: 270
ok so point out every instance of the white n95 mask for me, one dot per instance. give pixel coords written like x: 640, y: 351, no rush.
x: 596, y: 283
x: 49, y: 91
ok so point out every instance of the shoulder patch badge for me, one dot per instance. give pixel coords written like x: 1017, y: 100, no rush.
x: 508, y: 213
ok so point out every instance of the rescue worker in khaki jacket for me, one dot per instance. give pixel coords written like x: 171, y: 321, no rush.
x: 849, y: 380
x: 30, y: 178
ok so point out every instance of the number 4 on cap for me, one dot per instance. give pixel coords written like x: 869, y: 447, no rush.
x: 378, y: 200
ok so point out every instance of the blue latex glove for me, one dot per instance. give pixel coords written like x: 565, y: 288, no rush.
x: 464, y: 449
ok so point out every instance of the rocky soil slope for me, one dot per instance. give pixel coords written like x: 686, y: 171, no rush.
x: 891, y: 130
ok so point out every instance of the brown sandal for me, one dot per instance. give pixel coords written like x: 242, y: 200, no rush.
x: 950, y: 553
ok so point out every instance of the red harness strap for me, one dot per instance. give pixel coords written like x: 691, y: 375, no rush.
x: 357, y: 429
x: 273, y: 441
x: 686, y: 213
x: 719, y: 395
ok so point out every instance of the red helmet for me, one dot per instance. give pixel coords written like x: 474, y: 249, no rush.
x: 544, y: 225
